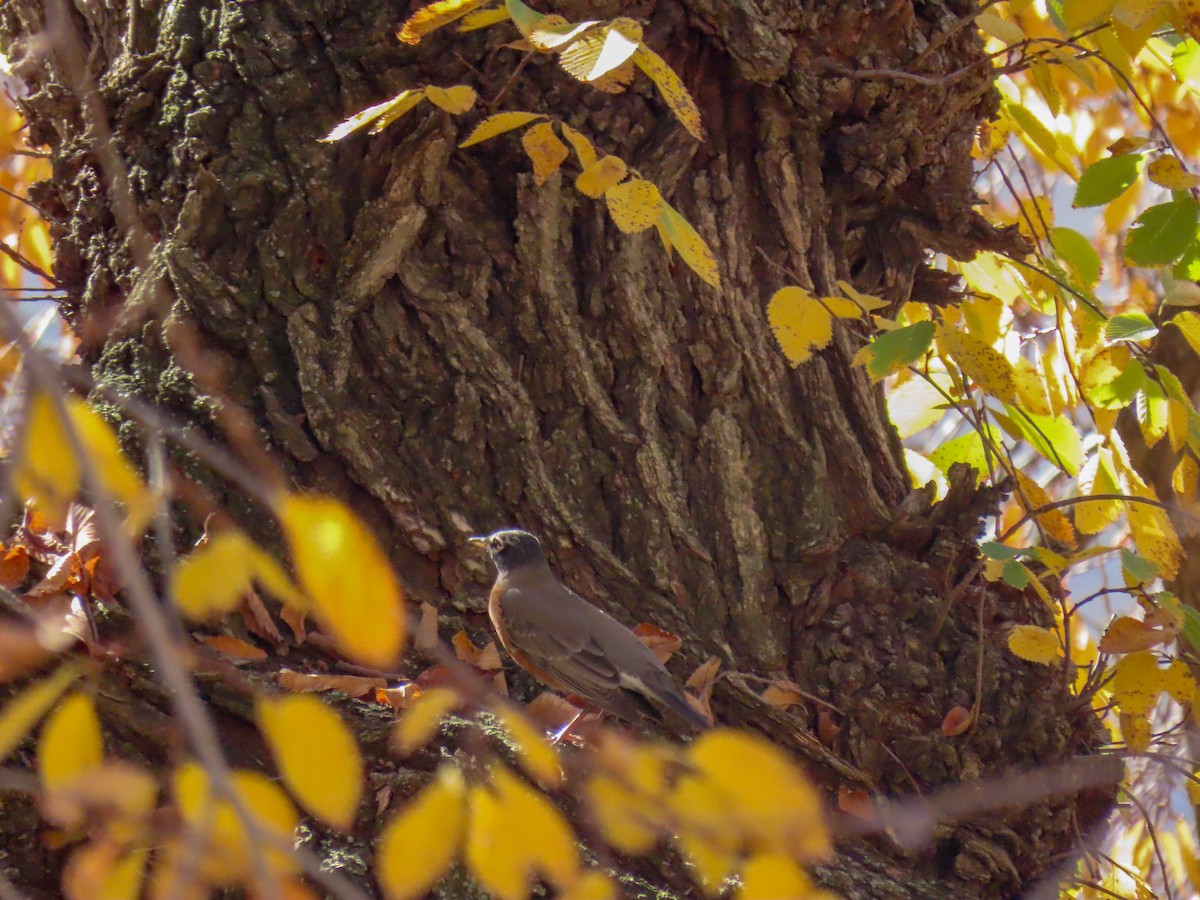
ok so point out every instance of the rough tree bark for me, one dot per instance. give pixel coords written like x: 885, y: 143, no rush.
x: 423, y: 331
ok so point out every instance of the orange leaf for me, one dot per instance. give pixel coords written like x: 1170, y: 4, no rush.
x: 14, y: 566
x: 661, y: 643
x: 958, y: 720
x: 350, y: 685
x: 234, y: 647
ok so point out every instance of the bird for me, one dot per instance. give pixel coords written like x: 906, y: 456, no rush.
x: 570, y: 645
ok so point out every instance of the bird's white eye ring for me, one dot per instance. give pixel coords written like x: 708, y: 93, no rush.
x: 497, y: 543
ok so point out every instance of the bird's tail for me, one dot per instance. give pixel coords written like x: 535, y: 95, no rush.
x: 672, y: 698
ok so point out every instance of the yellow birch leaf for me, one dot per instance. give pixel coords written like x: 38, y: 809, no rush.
x: 1045, y: 85
x: 627, y: 819
x: 1168, y: 172
x: 1097, y: 477
x: 545, y: 150
x: 1177, y: 424
x: 116, y: 474
x: 600, y: 176
x: 634, y: 205
x: 1137, y: 682
x: 494, y: 853
x: 692, y: 248
x: 379, y: 116
x: 867, y: 302
x: 45, y: 471
x: 1040, y: 138
x: 347, y: 576
x: 497, y: 125
x: 228, y: 851
x: 842, y: 308
x: 422, y: 718
x: 1032, y: 394
x: 1135, y: 732
x: 555, y: 31
x: 600, y: 51
x: 1179, y: 682
x: 419, y: 845
x: 800, y: 324
x: 24, y: 710
x: 773, y: 875
x: 316, y: 755
x: 1035, y: 644
x: 672, y: 90
x: 1154, y: 535
x: 548, y: 843
x: 1053, y: 521
x: 70, y: 745
x: 454, y: 100
x: 434, y: 16
x: 983, y: 364
x: 591, y: 885
x: 99, y: 870
x: 211, y: 580
x: 535, y: 753
x: 584, y: 150
x: 484, y: 18
x: 764, y: 795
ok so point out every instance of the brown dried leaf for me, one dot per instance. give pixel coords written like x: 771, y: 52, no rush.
x: 398, y: 697
x: 14, y: 566
x: 235, y: 647
x: 827, y: 729
x: 294, y: 619
x: 783, y: 694
x: 701, y: 682
x: 661, y: 643
x: 1128, y: 635
x: 258, y: 620
x: 426, y: 637
x: 856, y: 803
x: 489, y: 658
x: 351, y: 685
x: 958, y: 720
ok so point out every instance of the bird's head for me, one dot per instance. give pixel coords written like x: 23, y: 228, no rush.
x: 510, y: 548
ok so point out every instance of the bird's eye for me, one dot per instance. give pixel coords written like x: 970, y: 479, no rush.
x: 497, y: 543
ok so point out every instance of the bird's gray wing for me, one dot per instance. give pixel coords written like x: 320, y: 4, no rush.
x: 558, y: 631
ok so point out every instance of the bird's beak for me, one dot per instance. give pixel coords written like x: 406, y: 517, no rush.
x: 477, y: 539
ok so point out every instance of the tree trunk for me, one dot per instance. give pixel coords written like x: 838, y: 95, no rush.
x: 423, y: 331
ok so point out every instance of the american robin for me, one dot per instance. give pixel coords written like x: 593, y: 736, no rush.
x: 568, y: 644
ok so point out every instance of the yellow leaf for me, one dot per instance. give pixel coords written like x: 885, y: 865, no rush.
x: 316, y: 755
x: 592, y: 885
x: 1032, y: 393
x: 116, y: 474
x: 46, y: 472
x: 772, y: 875
x: 1178, y: 682
x: 584, y: 150
x: 1154, y: 535
x: 691, y: 247
x: 1137, y: 682
x: 483, y: 19
x: 454, y: 100
x: 800, y: 323
x: 24, y: 710
x: 547, y: 841
x: 1135, y: 732
x: 1045, y: 85
x: 1035, y: 644
x: 672, y: 90
x: 1097, y: 477
x: 70, y: 744
x: 422, y: 718
x: 349, y: 579
x: 627, y: 818
x: 600, y: 51
x: 555, y: 31
x: 227, y: 852
x: 497, y: 125
x: 494, y: 854
x: 984, y: 365
x: 1040, y: 138
x: 419, y: 845
x: 763, y: 795
x: 842, y: 308
x: 212, y: 580
x: 1056, y: 524
x: 600, y: 176
x: 1168, y: 172
x: 378, y: 116
x: 435, y: 15
x: 545, y: 151
x: 536, y: 755
x: 99, y: 870
x: 634, y: 205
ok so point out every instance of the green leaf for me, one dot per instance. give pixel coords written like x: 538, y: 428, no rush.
x: 1191, y: 626
x: 1161, y: 233
x: 1077, y: 252
x: 996, y: 550
x: 523, y: 17
x: 1185, y: 60
x: 966, y: 448
x: 1130, y: 326
x: 1189, y: 324
x: 1138, y: 568
x: 1106, y: 180
x: 1015, y: 574
x: 1119, y: 393
x: 1054, y: 437
x: 1188, y: 267
x: 893, y: 350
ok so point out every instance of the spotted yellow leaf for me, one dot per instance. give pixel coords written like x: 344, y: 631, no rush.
x: 497, y: 125
x: 1053, y: 521
x: 600, y: 176
x: 692, y: 248
x: 800, y: 323
x: 545, y: 150
x: 434, y: 16
x: 1097, y: 477
x: 1137, y: 682
x: 1154, y: 535
x: 672, y: 90
x: 1035, y: 644
x: 983, y: 364
x: 418, y: 846
x: 634, y: 205
x: 584, y: 151
x: 1168, y: 172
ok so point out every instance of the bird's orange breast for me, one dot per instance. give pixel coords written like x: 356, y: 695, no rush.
x: 522, y: 659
